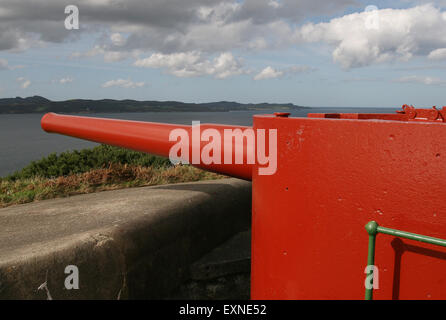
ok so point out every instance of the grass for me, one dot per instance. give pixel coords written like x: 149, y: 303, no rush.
x: 71, y: 162
x: 38, y: 182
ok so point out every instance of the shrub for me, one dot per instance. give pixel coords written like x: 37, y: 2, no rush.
x: 75, y: 162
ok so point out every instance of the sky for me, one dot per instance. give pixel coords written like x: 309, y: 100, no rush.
x: 338, y: 53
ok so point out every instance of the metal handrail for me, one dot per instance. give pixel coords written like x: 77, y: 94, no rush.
x: 373, y: 229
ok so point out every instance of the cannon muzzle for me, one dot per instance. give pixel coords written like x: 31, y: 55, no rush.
x: 162, y: 139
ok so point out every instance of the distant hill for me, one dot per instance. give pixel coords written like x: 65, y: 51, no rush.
x: 37, y: 104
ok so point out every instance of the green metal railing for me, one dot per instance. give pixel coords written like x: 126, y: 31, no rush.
x: 373, y: 229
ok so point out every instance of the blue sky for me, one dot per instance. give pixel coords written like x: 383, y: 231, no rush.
x: 301, y: 52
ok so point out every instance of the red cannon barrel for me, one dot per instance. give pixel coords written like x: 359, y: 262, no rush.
x: 160, y: 138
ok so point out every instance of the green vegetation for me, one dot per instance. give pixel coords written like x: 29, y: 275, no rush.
x: 73, y: 162
x: 92, y: 170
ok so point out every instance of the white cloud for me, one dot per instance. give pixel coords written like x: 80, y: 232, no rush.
x: 274, y: 4
x: 193, y: 64
x: 399, y: 35
x: 117, y: 39
x: 422, y: 80
x: 271, y: 73
x: 438, y: 54
x: 109, y: 55
x: 123, y: 83
x: 268, y: 73
x: 214, y: 27
x: 24, y: 83
x: 165, y: 26
x: 66, y: 80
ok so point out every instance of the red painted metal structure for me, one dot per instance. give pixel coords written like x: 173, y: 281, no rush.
x: 150, y: 137
x: 335, y: 173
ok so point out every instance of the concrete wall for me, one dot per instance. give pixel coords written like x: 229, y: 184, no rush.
x: 222, y: 274
x: 135, y: 243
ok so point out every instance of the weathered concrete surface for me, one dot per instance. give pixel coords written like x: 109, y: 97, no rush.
x: 132, y: 243
x: 232, y: 257
x: 222, y: 274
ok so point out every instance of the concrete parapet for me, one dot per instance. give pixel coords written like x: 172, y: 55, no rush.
x: 222, y: 274
x: 137, y: 243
